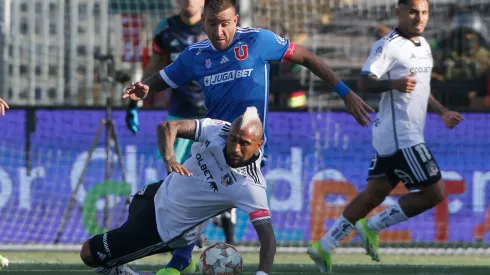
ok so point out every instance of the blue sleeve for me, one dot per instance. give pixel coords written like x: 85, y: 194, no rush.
x: 272, y: 46
x: 181, y: 71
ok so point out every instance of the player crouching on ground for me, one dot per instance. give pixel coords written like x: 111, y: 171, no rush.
x: 222, y: 173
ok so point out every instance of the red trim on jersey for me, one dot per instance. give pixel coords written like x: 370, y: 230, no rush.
x: 157, y: 49
x: 259, y: 214
x: 290, y: 51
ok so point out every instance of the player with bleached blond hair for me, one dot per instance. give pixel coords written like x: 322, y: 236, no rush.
x: 222, y: 173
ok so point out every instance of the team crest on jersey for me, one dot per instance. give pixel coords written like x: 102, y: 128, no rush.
x: 227, y: 180
x: 208, y: 63
x: 379, y: 50
x: 241, y: 53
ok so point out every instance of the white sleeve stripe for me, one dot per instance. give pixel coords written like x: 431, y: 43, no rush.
x: 167, y: 79
x: 197, y: 133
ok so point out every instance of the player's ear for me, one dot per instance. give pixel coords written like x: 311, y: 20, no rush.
x: 236, y: 18
x: 397, y: 11
x: 261, y: 142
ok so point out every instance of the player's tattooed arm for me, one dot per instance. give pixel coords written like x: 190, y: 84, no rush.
x: 155, y: 83
x: 167, y: 132
x: 371, y: 84
x: 267, y: 244
x: 311, y: 61
x: 450, y: 118
x: 355, y: 105
x: 436, y: 106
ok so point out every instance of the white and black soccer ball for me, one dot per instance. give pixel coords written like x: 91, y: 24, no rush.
x: 221, y: 259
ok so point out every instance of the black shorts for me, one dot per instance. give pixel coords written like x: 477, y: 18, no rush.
x: 137, y: 238
x: 414, y: 166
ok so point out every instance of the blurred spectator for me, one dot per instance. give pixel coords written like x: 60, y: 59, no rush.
x: 463, y: 54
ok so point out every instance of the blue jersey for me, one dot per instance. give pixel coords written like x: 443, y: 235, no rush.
x: 171, y: 37
x: 232, y: 79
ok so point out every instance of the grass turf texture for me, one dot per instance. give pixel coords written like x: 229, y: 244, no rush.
x: 68, y: 263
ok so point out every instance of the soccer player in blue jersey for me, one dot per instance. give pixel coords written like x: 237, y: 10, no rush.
x: 232, y: 67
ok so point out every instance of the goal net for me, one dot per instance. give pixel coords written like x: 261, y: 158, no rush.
x: 55, y: 194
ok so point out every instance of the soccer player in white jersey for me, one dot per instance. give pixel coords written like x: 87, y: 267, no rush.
x: 399, y: 66
x: 222, y: 173
x: 3, y: 106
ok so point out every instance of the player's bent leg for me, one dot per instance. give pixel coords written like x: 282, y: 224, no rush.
x: 137, y: 238
x: 181, y: 261
x: 375, y: 193
x: 428, y: 197
x: 86, y: 256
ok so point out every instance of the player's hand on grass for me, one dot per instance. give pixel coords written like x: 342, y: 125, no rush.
x: 137, y: 91
x: 358, y: 108
x: 173, y: 165
x: 3, y: 106
x: 405, y: 84
x: 451, y: 119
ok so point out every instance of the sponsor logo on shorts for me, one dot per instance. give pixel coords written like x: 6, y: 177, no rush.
x: 404, y: 177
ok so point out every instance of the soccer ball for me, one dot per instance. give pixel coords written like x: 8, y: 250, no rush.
x: 221, y: 259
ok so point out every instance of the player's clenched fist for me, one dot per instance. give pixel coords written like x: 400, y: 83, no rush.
x: 3, y: 106
x: 405, y: 84
x: 451, y: 119
x: 137, y: 91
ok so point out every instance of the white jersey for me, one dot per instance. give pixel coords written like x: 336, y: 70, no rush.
x: 401, y: 118
x: 184, y: 204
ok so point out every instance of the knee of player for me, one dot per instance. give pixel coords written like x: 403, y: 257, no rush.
x: 435, y: 193
x: 439, y: 192
x: 86, y: 256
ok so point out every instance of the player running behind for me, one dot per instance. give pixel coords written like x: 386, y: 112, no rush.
x: 223, y: 173
x: 399, y: 66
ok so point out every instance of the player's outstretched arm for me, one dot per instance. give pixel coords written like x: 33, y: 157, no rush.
x: 141, y: 90
x: 167, y: 132
x: 267, y: 240
x: 450, y: 118
x: 3, y: 106
x: 355, y: 105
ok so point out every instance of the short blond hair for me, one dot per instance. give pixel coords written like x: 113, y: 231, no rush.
x: 251, y: 115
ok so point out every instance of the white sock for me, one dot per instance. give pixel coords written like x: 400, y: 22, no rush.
x: 339, y: 230
x: 118, y: 270
x: 388, y: 217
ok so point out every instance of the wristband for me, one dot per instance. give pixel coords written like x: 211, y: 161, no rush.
x: 341, y: 89
x: 260, y: 273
